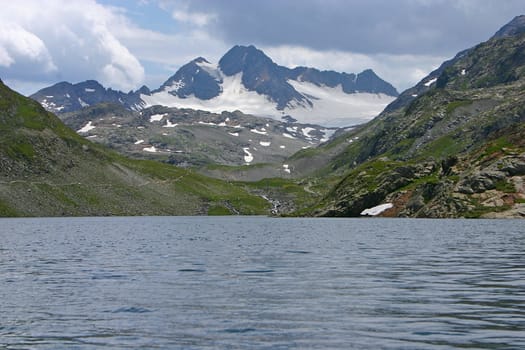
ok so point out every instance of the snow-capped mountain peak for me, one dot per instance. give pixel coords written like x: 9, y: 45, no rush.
x: 246, y: 79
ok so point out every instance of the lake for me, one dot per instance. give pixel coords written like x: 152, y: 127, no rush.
x: 261, y: 283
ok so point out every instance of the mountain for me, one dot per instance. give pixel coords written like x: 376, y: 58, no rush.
x: 514, y: 27
x: 187, y: 137
x: 248, y: 80
x: 451, y: 146
x: 194, y: 78
x: 47, y: 169
x: 66, y: 97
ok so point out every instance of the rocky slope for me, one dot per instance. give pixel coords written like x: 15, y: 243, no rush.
x: 452, y: 146
x: 46, y: 169
x: 244, y: 79
x: 186, y: 137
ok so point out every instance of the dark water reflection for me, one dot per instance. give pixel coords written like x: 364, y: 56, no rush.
x: 261, y: 283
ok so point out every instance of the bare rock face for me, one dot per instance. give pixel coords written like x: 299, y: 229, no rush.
x: 480, y: 182
x: 514, y: 166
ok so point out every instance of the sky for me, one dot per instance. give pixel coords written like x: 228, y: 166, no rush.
x: 125, y: 44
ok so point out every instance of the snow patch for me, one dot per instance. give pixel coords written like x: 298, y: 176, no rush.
x: 377, y: 209
x: 282, y: 146
x: 89, y: 90
x: 51, y: 106
x: 169, y: 124
x: 82, y: 103
x: 156, y: 117
x: 463, y: 72
x: 334, y: 107
x: 430, y: 82
x: 176, y: 86
x: 306, y: 131
x: 327, y: 134
x: 248, y: 158
x: 208, y: 123
x: 234, y: 133
x: 211, y: 69
x: 139, y: 142
x: 288, y: 135
x: 234, y: 96
x: 86, y: 128
x: 151, y: 149
x: 287, y: 168
x: 265, y: 144
x: 261, y: 132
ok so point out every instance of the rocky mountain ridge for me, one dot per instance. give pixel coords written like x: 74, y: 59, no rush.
x: 186, y: 137
x: 452, y: 146
x: 248, y: 80
x: 65, y: 97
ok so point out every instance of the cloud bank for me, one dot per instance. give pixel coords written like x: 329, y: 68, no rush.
x: 124, y: 44
x: 65, y: 40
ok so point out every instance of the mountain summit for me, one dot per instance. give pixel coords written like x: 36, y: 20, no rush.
x: 261, y: 74
x: 193, y: 79
x: 244, y: 79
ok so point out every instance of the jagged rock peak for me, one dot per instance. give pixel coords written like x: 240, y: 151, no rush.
x: 200, y: 59
x: 239, y: 57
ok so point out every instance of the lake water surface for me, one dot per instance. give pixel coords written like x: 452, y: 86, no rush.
x: 261, y: 283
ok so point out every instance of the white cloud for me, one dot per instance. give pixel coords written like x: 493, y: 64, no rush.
x: 65, y: 40
x: 199, y: 19
x: 18, y: 43
x: 75, y: 40
x: 122, y: 67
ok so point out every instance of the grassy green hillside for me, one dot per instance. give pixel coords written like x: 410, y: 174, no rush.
x: 46, y: 169
x: 454, y: 150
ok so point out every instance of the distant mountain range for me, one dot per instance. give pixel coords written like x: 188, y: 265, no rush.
x: 186, y: 137
x: 245, y: 79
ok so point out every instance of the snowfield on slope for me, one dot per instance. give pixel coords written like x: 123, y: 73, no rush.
x: 331, y: 106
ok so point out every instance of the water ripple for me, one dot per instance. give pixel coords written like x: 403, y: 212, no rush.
x: 261, y: 283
